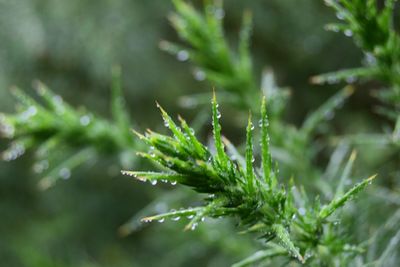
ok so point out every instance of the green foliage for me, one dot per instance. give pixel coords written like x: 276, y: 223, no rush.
x: 293, y: 227
x: 209, y: 50
x: 292, y: 145
x: 65, y: 137
x: 261, y: 204
x: 373, y: 30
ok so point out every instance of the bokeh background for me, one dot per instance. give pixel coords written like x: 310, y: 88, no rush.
x: 71, y: 46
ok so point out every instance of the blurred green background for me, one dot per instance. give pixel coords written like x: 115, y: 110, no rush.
x: 71, y: 46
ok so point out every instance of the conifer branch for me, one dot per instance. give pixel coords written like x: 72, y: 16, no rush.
x: 372, y: 29
x: 64, y: 137
x: 261, y: 204
x: 208, y: 49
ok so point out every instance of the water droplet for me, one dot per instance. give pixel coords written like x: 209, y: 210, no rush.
x: 348, y: 33
x: 219, y: 13
x: 85, y: 120
x: 65, y: 173
x: 193, y: 226
x: 199, y: 75
x: 333, y: 28
x: 173, y: 183
x: 340, y: 15
x: 332, y: 80
x: 351, y: 79
x: 252, y: 127
x: 329, y: 115
x: 153, y: 182
x: 307, y: 255
x: 6, y: 129
x: 58, y: 99
x: 370, y: 59
x: 202, y: 219
x: 30, y: 112
x: 176, y: 218
x: 182, y: 55
x: 39, y: 167
x: 218, y: 115
x: 190, y: 216
x: 161, y: 220
x: 16, y: 150
x: 302, y: 211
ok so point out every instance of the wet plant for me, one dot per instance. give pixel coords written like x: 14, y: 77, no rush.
x: 65, y: 137
x: 372, y: 28
x: 300, y: 213
x: 293, y: 226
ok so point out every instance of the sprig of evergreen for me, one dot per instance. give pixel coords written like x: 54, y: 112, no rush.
x: 294, y: 226
x: 208, y: 49
x: 65, y: 137
x: 373, y: 30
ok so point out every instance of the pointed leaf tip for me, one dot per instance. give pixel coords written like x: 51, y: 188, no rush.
x: 141, y: 136
x: 339, y: 202
x: 284, y: 237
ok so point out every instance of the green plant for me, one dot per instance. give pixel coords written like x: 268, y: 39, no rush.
x: 210, y: 52
x: 373, y: 30
x: 232, y: 74
x: 294, y: 227
x: 65, y: 137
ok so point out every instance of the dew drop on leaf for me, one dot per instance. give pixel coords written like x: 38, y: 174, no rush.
x: 193, y: 226
x: 351, y: 79
x: 84, y: 120
x: 348, y: 33
x: 199, y: 75
x: 182, y: 55
x: 302, y: 211
x: 340, y: 15
x: 329, y: 115
x: 65, y: 173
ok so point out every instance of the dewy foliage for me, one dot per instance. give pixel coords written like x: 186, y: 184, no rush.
x: 373, y: 30
x: 294, y: 228
x: 230, y: 71
x: 65, y: 137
